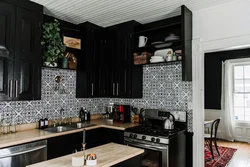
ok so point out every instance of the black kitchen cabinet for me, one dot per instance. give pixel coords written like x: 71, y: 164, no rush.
x: 93, y: 138
x: 100, y: 136
x: 64, y: 145
x: 87, y: 66
x: 123, y: 81
x: 28, y: 55
x: 7, y: 34
x: 20, y: 70
x: 113, y: 135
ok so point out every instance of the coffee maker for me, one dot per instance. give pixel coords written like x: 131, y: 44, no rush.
x: 122, y: 113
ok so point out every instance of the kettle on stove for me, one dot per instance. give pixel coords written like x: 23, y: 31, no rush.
x: 167, y: 123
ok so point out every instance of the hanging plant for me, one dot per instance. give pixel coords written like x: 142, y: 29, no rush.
x: 54, y: 48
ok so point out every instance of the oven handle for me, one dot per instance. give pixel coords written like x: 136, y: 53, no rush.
x: 147, y: 146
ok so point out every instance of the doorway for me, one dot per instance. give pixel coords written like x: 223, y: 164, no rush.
x: 199, y: 49
x: 227, y: 98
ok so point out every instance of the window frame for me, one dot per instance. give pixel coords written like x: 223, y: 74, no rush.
x: 233, y: 92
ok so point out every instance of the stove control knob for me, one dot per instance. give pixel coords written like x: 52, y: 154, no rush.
x: 143, y: 137
x: 135, y: 136
x: 131, y: 135
x: 157, y: 140
x: 152, y: 139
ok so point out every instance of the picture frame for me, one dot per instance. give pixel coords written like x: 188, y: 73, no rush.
x: 71, y: 42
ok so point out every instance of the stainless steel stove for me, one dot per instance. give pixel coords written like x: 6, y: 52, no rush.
x: 163, y: 147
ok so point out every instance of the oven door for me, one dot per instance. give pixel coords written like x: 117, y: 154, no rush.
x: 155, y: 155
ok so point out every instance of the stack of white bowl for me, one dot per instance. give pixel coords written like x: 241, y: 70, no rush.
x: 157, y: 59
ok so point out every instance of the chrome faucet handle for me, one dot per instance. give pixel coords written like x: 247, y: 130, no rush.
x: 54, y: 123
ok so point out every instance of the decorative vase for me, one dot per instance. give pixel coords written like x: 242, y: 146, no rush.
x: 65, y: 63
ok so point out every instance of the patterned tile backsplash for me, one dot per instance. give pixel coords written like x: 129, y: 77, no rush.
x: 163, y: 88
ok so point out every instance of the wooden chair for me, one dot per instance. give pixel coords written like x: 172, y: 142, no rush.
x: 212, y: 137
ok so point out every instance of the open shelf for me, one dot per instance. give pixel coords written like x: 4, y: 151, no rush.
x: 158, y: 28
x: 160, y: 63
x: 58, y: 68
x: 176, y: 44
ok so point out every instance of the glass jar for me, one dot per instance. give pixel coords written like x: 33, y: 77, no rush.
x: 12, y: 128
x: 6, y: 127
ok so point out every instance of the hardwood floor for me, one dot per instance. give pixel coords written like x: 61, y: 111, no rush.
x: 242, y: 156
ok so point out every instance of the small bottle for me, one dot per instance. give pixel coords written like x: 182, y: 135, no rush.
x: 46, y: 122
x: 82, y: 115
x: 88, y: 117
x: 174, y: 58
x: 41, y: 123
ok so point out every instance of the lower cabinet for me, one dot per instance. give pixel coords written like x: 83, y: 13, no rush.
x: 100, y: 136
x: 64, y: 145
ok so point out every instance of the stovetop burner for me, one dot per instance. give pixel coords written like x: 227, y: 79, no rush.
x: 153, y: 131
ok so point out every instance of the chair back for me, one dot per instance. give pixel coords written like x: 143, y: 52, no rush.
x: 214, y: 128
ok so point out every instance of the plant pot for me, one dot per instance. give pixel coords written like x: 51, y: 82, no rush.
x: 48, y: 64
x: 65, y: 63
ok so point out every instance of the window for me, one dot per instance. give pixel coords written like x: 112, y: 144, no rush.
x: 242, y: 92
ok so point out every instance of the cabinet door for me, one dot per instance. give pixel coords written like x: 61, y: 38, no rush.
x: 28, y: 55
x: 64, y: 145
x: 123, y: 85
x: 94, y: 138
x: 7, y: 34
x: 112, y: 135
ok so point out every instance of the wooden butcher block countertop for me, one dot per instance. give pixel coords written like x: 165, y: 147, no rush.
x: 107, y: 155
x: 36, y: 134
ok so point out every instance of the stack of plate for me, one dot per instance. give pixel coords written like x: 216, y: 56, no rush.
x: 156, y: 59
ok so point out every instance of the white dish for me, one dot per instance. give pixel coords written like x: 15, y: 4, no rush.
x: 91, y: 162
x: 172, y: 37
x: 157, y: 57
x: 154, y: 61
x: 163, y: 53
x: 158, y: 42
x: 163, y: 45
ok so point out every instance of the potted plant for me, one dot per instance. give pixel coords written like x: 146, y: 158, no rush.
x: 54, y: 49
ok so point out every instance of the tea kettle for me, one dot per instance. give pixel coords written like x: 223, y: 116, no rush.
x: 167, y: 123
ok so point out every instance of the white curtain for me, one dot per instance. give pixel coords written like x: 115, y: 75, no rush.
x: 227, y: 120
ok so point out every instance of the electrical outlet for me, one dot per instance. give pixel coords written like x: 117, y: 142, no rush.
x: 190, y: 105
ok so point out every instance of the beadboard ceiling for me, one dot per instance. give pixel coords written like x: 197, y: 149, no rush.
x: 110, y: 12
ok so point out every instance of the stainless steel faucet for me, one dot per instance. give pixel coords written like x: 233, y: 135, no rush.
x: 61, y: 116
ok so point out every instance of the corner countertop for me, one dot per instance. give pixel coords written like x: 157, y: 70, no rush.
x: 36, y: 134
x: 107, y: 155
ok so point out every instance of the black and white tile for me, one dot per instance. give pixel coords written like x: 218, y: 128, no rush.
x: 163, y: 88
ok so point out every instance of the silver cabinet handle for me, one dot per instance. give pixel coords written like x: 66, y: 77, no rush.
x: 113, y: 89
x: 92, y: 89
x: 23, y: 152
x: 10, y: 89
x: 16, y: 87
x: 117, y: 89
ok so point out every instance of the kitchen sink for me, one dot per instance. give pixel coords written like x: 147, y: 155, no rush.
x: 59, y: 129
x: 68, y: 127
x: 80, y: 125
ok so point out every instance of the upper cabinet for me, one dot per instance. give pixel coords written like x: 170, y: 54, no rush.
x: 7, y: 34
x: 21, y: 54
x: 106, y: 69
x: 170, y: 39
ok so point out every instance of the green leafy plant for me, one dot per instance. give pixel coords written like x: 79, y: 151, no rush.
x: 54, y: 49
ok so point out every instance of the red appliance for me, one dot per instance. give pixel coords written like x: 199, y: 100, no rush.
x: 122, y: 113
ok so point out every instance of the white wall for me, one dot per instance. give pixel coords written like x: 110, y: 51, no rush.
x: 228, y: 20
x: 221, y: 23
